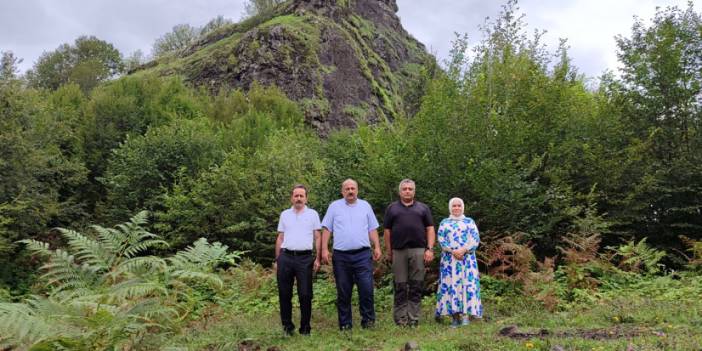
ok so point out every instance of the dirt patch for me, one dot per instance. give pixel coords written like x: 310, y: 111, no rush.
x: 616, y: 332
x: 250, y: 345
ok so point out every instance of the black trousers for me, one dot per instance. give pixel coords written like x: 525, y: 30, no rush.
x: 291, y: 268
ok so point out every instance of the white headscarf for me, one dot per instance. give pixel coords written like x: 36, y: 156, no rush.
x: 457, y: 218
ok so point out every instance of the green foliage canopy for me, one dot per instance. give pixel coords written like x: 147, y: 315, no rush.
x: 87, y: 62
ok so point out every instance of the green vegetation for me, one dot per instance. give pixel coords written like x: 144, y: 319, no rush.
x: 357, y: 113
x: 184, y: 35
x: 87, y: 62
x: 588, y: 199
x: 288, y: 42
x: 260, y: 7
x: 317, y: 108
x: 101, y: 291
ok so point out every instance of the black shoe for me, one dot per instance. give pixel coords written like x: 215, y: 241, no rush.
x: 368, y: 325
x: 304, y: 331
x: 289, y: 331
x: 345, y: 327
x: 413, y: 324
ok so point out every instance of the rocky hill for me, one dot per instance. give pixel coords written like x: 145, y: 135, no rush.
x: 344, y: 61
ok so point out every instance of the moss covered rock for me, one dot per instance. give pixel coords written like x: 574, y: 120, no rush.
x: 326, y: 54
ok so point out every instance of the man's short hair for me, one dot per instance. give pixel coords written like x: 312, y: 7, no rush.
x: 405, y: 181
x: 298, y: 186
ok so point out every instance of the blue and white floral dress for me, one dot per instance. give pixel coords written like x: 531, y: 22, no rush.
x: 459, y: 284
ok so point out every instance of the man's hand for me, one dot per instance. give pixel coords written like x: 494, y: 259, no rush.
x: 428, y: 256
x: 377, y: 253
x: 275, y: 265
x: 388, y: 255
x: 316, y: 265
x: 325, y: 256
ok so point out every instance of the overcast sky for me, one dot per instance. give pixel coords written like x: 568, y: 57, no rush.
x: 30, y: 27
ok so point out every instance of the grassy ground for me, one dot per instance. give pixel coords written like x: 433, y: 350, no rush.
x: 628, y: 321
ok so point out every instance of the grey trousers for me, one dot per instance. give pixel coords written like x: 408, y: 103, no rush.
x: 408, y: 269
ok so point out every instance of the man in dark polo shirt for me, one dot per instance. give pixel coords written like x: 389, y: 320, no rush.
x: 409, y: 240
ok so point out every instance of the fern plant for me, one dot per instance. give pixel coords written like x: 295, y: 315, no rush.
x: 639, y: 257
x: 694, y: 247
x: 101, y: 291
x: 31, y: 322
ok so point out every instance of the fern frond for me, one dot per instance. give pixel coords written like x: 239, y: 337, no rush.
x: 130, y: 238
x: 126, y: 229
x: 63, y: 272
x: 37, y: 247
x: 92, y: 306
x: 137, y: 288
x: 141, y: 264
x: 88, y: 251
x: 152, y: 310
x: 140, y: 246
x: 140, y: 218
x: 203, y: 256
x: 110, y: 238
x: 207, y: 278
x: 21, y: 325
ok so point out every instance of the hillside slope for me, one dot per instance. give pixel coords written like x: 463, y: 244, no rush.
x: 344, y: 61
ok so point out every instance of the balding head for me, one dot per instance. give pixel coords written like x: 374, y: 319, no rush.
x: 349, y: 190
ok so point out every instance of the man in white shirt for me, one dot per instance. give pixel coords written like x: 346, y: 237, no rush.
x: 298, y: 233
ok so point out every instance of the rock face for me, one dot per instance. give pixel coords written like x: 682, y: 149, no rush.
x: 344, y: 61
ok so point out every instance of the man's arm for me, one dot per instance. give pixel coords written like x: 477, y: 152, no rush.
x: 278, y: 243
x: 431, y: 239
x: 373, y: 236
x: 387, y: 234
x: 326, y: 234
x: 317, y: 249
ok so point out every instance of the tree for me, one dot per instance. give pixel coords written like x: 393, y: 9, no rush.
x: 133, y: 61
x: 214, y: 24
x: 182, y: 36
x: 660, y: 92
x: 662, y: 77
x: 144, y: 167
x: 40, y: 169
x: 8, y: 66
x: 129, y: 106
x: 257, y: 7
x: 87, y: 62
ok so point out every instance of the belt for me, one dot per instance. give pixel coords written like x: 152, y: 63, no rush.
x: 297, y: 252
x: 354, y: 251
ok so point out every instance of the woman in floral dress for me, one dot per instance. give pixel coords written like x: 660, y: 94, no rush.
x: 458, y: 294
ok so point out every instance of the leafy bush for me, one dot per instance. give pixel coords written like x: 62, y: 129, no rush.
x: 144, y: 167
x: 239, y: 201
